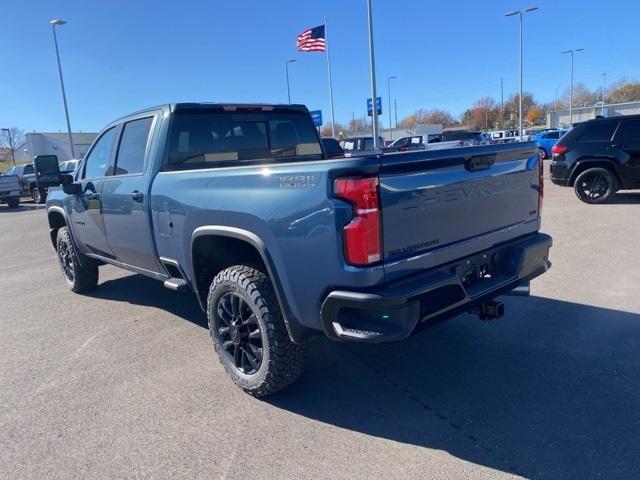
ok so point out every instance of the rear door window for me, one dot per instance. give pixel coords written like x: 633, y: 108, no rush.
x: 133, y: 145
x: 198, y: 140
x: 629, y: 131
x: 599, y: 132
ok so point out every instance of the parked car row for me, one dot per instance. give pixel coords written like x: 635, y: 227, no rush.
x: 25, y: 179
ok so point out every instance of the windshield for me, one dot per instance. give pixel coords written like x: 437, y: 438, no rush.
x: 205, y: 138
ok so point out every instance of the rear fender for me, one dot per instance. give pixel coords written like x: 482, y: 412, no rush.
x: 587, y: 163
x: 297, y: 333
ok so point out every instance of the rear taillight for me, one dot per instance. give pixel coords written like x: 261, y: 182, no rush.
x: 362, y: 245
x: 558, y: 149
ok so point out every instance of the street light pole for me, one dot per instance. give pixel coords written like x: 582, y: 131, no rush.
x: 520, y: 13
x: 372, y: 66
x: 389, y: 91
x: 395, y: 107
x: 604, y: 80
x: 572, y: 52
x: 55, y: 23
x: 13, y: 157
x: 286, y: 66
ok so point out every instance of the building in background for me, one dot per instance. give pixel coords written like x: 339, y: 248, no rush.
x: 53, y: 144
x: 561, y: 118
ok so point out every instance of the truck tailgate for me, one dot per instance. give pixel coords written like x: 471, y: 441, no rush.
x: 9, y: 183
x: 444, y: 205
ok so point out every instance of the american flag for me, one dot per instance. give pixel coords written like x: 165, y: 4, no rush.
x: 312, y: 40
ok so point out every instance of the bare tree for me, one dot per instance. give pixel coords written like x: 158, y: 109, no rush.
x: 624, y: 91
x: 12, y: 140
x: 358, y: 125
x: 582, y: 96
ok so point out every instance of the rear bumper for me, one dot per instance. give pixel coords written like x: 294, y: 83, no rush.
x: 559, y: 174
x: 395, y: 311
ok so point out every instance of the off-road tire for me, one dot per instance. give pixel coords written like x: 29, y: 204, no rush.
x: 84, y: 273
x: 282, y: 360
x: 595, y: 185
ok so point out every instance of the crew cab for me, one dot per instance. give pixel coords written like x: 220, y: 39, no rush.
x: 280, y: 244
x: 598, y: 157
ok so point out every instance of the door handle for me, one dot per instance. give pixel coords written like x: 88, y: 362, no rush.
x: 137, y: 196
x: 617, y: 145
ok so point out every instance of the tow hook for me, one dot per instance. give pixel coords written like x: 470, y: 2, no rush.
x: 489, y: 310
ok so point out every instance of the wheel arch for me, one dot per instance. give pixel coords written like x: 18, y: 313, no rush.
x: 214, y: 248
x: 587, y: 163
x: 57, y: 219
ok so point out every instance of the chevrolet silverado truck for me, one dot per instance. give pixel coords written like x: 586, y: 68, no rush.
x: 280, y: 244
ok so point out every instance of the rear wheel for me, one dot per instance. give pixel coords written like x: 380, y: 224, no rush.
x: 595, y: 185
x: 249, y: 333
x: 81, y: 276
x: 38, y: 195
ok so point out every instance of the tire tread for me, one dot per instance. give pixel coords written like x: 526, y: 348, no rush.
x: 285, y: 359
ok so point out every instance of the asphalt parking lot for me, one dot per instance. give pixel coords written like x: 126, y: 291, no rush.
x: 123, y: 383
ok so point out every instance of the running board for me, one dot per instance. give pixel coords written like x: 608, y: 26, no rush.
x: 176, y: 284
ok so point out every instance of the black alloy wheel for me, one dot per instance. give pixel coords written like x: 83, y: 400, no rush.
x: 65, y: 257
x: 239, y: 332
x: 595, y: 185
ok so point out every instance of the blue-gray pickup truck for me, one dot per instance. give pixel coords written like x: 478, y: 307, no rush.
x: 241, y: 205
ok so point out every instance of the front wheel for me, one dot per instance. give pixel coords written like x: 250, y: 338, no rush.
x: 595, y: 185
x: 80, y: 276
x: 249, y: 333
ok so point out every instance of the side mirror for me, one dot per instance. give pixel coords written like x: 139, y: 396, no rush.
x: 68, y: 187
x: 47, y: 171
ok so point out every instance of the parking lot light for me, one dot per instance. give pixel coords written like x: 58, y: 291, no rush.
x: 56, y: 23
x: 572, y: 52
x: 511, y: 14
x: 389, y: 104
x: 286, y: 66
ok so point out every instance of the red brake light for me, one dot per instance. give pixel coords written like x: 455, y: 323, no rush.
x: 362, y: 245
x: 558, y: 149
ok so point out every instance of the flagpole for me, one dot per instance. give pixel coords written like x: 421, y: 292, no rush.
x: 326, y: 41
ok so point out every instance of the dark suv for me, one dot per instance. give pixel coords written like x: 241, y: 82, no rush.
x: 598, y: 158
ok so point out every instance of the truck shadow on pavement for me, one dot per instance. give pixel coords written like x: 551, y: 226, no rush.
x: 552, y: 390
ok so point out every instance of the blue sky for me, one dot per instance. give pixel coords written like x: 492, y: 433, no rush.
x: 120, y: 56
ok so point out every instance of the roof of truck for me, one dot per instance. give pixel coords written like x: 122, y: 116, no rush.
x: 186, y: 106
